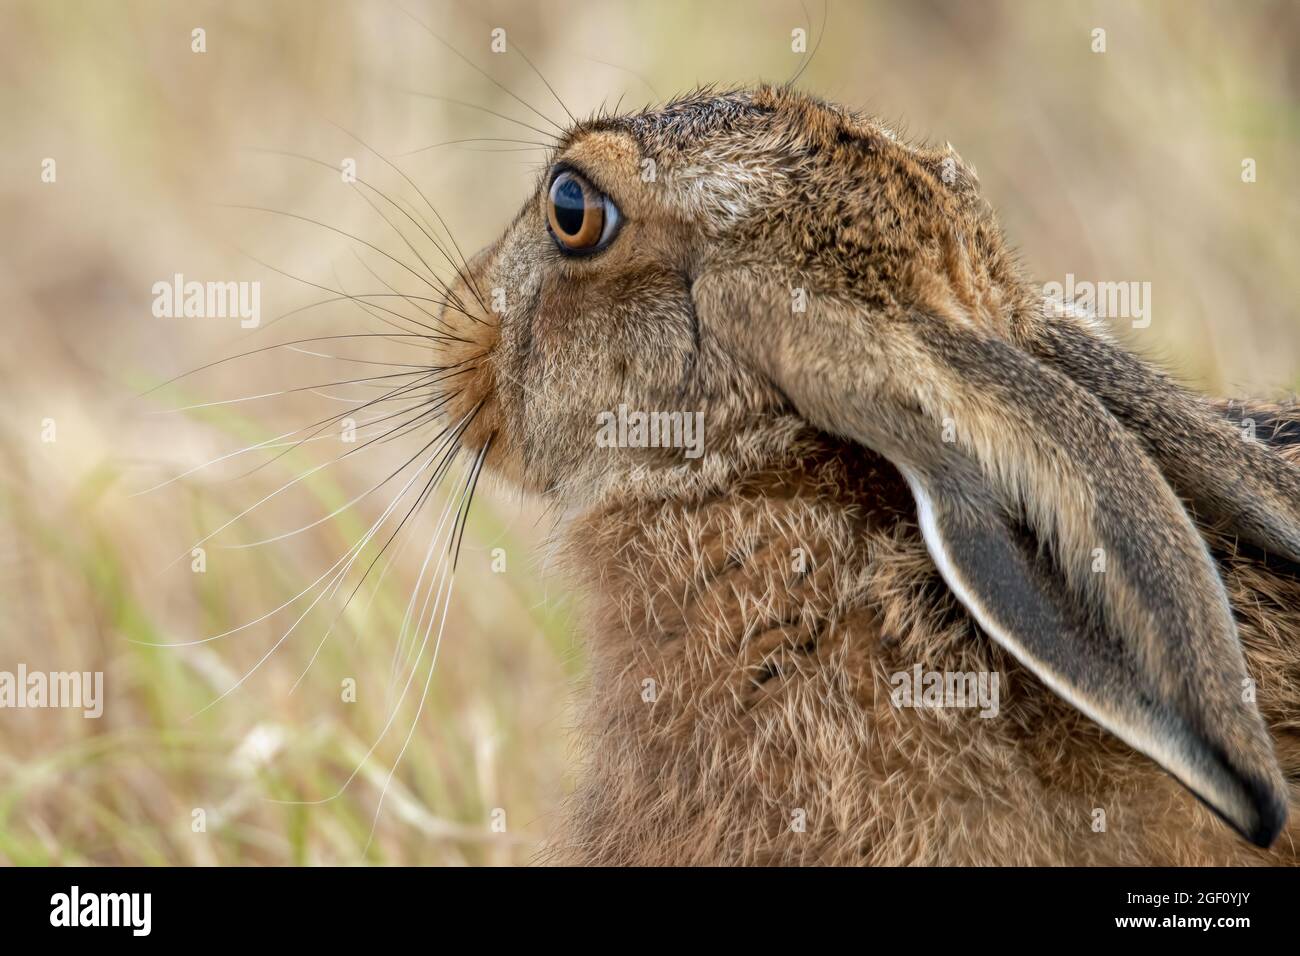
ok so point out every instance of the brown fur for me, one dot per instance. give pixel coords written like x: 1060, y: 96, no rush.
x: 770, y: 686
x: 774, y: 695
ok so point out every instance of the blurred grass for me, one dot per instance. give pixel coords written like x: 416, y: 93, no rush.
x: 101, y: 791
x: 1121, y: 166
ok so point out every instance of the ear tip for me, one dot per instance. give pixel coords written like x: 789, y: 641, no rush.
x: 1264, y: 814
x: 1243, y: 786
x: 1270, y: 814
x: 1264, y: 835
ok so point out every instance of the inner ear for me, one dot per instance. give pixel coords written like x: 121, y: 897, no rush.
x: 1012, y: 588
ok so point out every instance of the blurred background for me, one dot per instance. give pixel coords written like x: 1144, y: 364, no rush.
x: 224, y: 165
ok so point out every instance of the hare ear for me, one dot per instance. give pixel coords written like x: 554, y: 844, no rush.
x: 993, y: 441
x: 995, y: 568
x: 1240, y: 483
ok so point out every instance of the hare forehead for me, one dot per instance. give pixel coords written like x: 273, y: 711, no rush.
x: 714, y: 180
x: 717, y: 159
x: 611, y: 157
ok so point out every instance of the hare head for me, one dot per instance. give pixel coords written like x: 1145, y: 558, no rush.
x: 752, y: 254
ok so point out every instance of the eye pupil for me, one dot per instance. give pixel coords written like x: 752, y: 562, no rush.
x: 570, y: 206
x: 579, y: 217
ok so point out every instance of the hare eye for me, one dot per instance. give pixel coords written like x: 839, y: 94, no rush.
x: 581, y: 219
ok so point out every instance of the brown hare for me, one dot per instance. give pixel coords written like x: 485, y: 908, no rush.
x: 908, y: 464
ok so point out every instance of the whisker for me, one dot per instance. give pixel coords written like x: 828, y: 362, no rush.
x: 375, y: 275
x: 219, y: 458
x: 475, y: 106
x: 376, y: 311
x: 448, y: 451
x: 433, y: 663
x: 339, y: 615
x: 335, y: 229
x: 405, y: 627
x: 445, y: 596
x: 393, y: 394
x: 464, y: 273
x: 446, y: 289
x: 347, y: 358
x: 445, y: 334
x: 816, y: 46
x: 304, y: 476
x: 380, y: 279
x: 284, y: 391
x: 272, y: 443
x: 505, y: 149
x: 471, y: 482
x: 433, y: 481
x: 328, y: 592
x: 342, y: 508
x: 524, y: 56
x: 357, y: 401
x: 633, y: 73
x: 473, y: 486
x: 422, y: 227
x: 341, y: 297
x: 290, y: 601
x: 393, y: 713
x: 280, y: 345
x: 476, y: 139
x: 532, y: 109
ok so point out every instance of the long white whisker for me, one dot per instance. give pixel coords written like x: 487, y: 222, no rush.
x: 346, y: 358
x: 406, y: 615
x: 319, y: 521
x: 234, y: 454
x: 420, y: 370
x: 448, y: 455
x: 424, y: 694
x: 309, y: 587
x: 392, y: 714
x: 277, y: 442
x: 341, y: 575
x: 447, y: 562
x: 257, y: 504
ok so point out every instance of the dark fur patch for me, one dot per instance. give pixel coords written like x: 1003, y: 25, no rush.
x: 1277, y: 426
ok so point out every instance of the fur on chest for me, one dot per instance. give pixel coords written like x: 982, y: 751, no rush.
x: 780, y: 675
